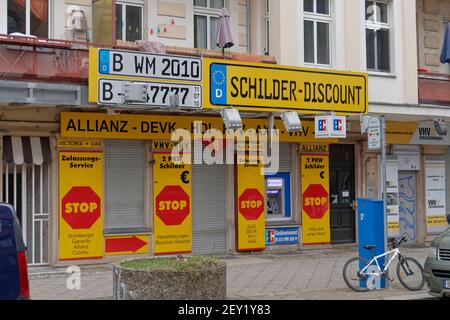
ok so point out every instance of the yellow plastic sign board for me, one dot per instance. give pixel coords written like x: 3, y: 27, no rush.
x: 274, y: 88
x: 80, y: 205
x: 315, y: 195
x: 160, y: 127
x: 172, y: 203
x: 251, y: 206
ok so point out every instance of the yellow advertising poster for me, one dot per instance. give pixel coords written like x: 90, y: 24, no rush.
x: 126, y: 244
x: 160, y: 127
x: 251, y: 212
x: 80, y: 214
x: 173, y: 203
x: 274, y: 88
x: 315, y: 194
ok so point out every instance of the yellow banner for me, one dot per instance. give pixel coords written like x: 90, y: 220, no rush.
x: 173, y: 203
x: 126, y: 244
x: 251, y: 221
x: 275, y: 88
x: 154, y: 127
x: 315, y: 196
x: 80, y: 214
x: 437, y: 221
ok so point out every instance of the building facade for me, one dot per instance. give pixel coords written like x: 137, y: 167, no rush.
x: 53, y: 141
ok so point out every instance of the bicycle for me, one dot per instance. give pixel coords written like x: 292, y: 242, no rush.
x: 367, y: 273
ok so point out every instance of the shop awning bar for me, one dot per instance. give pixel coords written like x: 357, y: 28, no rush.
x: 26, y: 150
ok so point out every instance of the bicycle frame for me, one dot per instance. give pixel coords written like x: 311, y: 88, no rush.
x: 395, y: 252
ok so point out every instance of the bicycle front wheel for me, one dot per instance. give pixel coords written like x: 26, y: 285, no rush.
x: 352, y: 274
x: 410, y: 274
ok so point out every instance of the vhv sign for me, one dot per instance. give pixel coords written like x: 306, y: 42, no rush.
x: 274, y: 88
x: 331, y: 127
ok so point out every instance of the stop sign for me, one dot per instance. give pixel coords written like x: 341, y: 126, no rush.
x: 251, y: 204
x: 315, y: 201
x: 81, y: 207
x: 172, y: 205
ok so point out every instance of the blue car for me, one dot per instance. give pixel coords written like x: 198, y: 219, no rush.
x: 14, y: 283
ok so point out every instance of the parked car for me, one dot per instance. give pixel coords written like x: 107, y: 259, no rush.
x: 437, y: 265
x: 14, y: 283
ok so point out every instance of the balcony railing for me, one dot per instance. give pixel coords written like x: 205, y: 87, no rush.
x: 50, y: 60
x: 434, y: 88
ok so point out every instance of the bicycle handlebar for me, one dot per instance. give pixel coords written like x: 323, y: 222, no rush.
x: 397, y: 244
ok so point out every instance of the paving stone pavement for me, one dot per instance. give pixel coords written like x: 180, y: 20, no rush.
x: 306, y: 275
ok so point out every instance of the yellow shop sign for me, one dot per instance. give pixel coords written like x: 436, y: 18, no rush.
x: 272, y: 88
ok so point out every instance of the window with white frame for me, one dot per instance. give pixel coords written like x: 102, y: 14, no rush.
x: 266, y: 28
x: 28, y: 17
x: 129, y: 22
x: 316, y: 24
x: 206, y: 20
x: 378, y: 29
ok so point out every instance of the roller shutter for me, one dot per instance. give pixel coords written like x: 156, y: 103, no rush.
x: 124, y: 165
x: 285, y: 157
x: 208, y: 209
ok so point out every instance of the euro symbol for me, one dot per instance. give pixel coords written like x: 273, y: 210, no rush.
x: 185, y: 177
x: 322, y: 174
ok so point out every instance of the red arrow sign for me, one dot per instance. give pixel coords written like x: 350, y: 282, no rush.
x: 127, y: 244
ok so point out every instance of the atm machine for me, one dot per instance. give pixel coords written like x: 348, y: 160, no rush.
x: 275, y: 196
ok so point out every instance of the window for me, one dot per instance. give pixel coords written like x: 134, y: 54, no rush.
x: 266, y: 28
x: 129, y: 22
x: 317, y: 21
x: 377, y: 36
x: 124, y: 168
x: 206, y: 20
x: 28, y: 17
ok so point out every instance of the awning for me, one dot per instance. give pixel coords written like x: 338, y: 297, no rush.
x: 28, y: 150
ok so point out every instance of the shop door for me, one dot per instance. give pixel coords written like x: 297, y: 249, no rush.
x: 342, y: 194
x: 407, y: 191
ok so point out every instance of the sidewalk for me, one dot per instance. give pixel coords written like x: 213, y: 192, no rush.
x: 310, y: 274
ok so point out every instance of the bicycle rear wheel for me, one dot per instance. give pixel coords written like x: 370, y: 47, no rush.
x: 410, y: 274
x: 352, y: 275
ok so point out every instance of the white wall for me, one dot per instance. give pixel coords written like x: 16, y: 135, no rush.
x: 348, y: 45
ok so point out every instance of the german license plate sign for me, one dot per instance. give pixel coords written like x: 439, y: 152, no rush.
x: 146, y: 65
x: 446, y: 284
x: 111, y: 92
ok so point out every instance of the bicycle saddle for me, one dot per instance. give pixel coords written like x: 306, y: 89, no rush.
x: 369, y: 247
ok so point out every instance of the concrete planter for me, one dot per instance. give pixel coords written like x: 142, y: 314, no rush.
x: 207, y: 281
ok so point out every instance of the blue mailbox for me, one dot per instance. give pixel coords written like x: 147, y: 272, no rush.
x: 371, y: 231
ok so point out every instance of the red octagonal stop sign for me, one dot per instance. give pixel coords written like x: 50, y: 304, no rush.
x: 315, y: 201
x: 251, y: 204
x: 172, y: 205
x: 81, y: 207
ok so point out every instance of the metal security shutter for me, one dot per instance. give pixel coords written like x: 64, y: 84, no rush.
x: 208, y: 209
x: 285, y: 157
x: 447, y: 179
x: 124, y: 184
